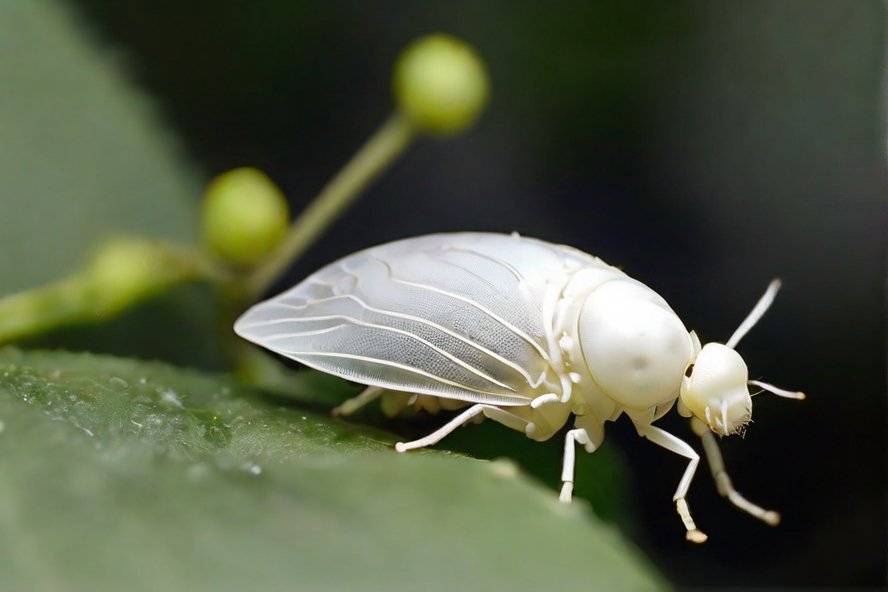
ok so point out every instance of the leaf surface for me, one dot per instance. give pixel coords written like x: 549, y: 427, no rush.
x: 118, y: 474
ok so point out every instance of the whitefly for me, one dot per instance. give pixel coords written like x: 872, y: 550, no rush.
x: 529, y: 334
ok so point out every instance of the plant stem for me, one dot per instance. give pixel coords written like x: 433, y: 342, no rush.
x: 44, y: 308
x: 375, y: 155
x: 121, y: 273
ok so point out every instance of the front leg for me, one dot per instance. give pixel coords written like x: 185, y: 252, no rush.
x: 669, y: 442
x: 723, y: 481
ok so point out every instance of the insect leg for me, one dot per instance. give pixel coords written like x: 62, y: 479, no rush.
x: 573, y: 437
x: 723, y: 481
x: 589, y: 432
x: 509, y: 420
x: 673, y: 444
x: 366, y: 396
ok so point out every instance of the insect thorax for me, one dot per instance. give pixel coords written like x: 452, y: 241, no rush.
x: 622, y: 347
x: 586, y: 398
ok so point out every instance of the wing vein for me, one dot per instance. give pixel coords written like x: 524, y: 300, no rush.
x: 354, y: 321
x: 508, y: 266
x: 473, y: 304
x: 398, y: 365
x: 405, y: 316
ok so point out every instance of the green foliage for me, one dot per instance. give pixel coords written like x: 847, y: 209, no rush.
x: 130, y: 475
x: 83, y: 156
x: 121, y: 272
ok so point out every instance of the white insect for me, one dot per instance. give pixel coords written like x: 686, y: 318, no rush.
x: 522, y: 332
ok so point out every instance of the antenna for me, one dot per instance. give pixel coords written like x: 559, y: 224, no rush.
x: 778, y: 391
x: 755, y: 314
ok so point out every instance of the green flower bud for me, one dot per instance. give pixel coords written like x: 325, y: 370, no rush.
x: 125, y: 270
x: 245, y: 215
x: 441, y: 84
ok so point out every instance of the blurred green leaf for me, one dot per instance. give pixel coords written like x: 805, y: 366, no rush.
x: 120, y: 474
x: 84, y: 156
x: 83, y: 153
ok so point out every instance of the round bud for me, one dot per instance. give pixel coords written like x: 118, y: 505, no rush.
x: 441, y: 84
x: 245, y: 215
x: 124, y: 270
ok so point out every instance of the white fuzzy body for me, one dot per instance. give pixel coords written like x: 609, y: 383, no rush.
x: 496, y: 319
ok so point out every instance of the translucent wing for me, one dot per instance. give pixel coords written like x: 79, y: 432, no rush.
x: 453, y: 315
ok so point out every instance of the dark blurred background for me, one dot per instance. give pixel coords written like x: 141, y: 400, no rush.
x: 704, y: 147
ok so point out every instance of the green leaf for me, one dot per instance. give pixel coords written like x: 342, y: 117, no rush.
x: 119, y: 474
x: 84, y: 156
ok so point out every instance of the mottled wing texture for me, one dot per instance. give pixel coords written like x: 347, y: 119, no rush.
x: 453, y: 315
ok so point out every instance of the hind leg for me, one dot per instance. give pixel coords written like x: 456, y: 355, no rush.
x: 366, y: 396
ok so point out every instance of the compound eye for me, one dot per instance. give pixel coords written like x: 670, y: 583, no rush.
x: 689, y: 370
